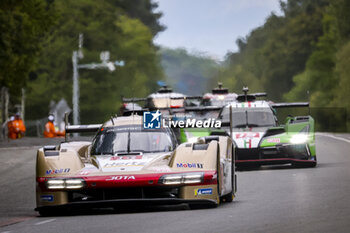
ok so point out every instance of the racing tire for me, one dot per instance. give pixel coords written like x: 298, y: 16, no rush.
x: 248, y: 167
x: 201, y: 206
x: 218, y: 200
x: 228, y: 197
x: 54, y: 211
x: 45, y: 213
x: 231, y: 195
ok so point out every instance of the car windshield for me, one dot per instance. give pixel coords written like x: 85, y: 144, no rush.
x: 131, y: 139
x: 245, y: 117
x: 207, y: 114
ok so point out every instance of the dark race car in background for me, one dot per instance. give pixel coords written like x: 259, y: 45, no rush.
x: 218, y: 97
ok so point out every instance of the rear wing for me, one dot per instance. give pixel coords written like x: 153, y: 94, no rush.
x: 165, y: 105
x: 250, y: 97
x: 202, y: 108
x: 138, y: 112
x: 134, y: 99
x: 79, y: 128
x: 173, y: 98
x: 82, y: 128
x: 290, y: 105
x: 260, y: 94
x: 186, y: 97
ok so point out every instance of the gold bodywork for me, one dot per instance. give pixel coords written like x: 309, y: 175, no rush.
x: 71, y: 159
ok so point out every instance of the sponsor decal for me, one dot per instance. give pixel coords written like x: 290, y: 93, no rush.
x: 128, y: 157
x: 247, y: 135
x: 246, y: 105
x: 47, y: 198
x: 122, y: 178
x: 151, y: 120
x: 122, y: 164
x: 207, y: 191
x: 248, y: 143
x: 189, y: 165
x: 274, y: 140
x: 57, y: 171
x: 84, y: 173
x: 160, y: 169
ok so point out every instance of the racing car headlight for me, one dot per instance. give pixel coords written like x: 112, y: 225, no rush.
x: 298, y: 138
x: 65, y: 183
x: 184, y: 178
x: 192, y: 178
x: 172, y: 179
x: 55, y: 184
x: 74, y: 183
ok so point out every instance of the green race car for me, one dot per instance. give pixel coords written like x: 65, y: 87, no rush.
x: 258, y: 137
x: 260, y: 140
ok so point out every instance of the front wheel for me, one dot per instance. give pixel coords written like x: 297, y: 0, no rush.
x: 228, y: 197
x: 231, y: 195
x: 45, y: 213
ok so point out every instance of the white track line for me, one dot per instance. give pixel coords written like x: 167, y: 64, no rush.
x: 334, y: 137
x: 46, y: 221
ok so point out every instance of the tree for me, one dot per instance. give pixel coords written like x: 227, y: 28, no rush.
x: 188, y: 73
x: 23, y: 25
x: 271, y: 55
x: 106, y: 26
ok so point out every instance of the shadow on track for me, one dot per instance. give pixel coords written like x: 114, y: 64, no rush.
x: 248, y: 168
x: 130, y: 209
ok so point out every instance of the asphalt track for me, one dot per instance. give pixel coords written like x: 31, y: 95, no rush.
x: 271, y: 199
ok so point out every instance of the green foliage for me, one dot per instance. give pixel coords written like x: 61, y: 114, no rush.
x: 325, y: 66
x: 318, y: 75
x: 23, y: 25
x: 141, y: 9
x: 188, y: 73
x: 272, y: 54
x: 287, y: 51
x: 342, y: 70
x: 327, y: 69
x: 106, y: 25
x: 302, y: 55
